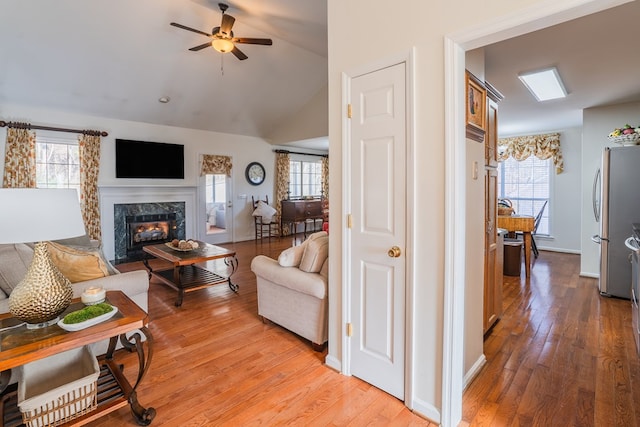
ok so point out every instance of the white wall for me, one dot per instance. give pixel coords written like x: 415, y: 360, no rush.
x: 242, y: 149
x: 597, y: 123
x: 475, y: 240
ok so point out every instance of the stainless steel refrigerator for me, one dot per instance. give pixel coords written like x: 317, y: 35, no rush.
x: 616, y: 205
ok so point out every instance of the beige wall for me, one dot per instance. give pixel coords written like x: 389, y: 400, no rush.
x: 354, y: 40
x: 474, y: 240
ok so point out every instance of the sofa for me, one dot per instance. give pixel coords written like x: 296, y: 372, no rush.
x: 16, y: 258
x: 292, y: 290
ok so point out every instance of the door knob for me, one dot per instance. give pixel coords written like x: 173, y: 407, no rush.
x: 394, y: 252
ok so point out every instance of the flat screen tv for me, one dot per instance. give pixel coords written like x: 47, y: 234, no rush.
x: 143, y: 159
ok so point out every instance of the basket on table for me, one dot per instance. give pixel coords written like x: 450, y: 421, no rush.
x: 505, y: 207
x: 59, y: 388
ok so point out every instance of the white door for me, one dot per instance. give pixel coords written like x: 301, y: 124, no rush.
x: 377, y: 150
x: 215, y: 209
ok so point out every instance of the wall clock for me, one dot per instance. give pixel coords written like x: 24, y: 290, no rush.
x: 255, y: 173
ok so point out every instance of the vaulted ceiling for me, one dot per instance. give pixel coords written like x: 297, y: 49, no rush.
x: 116, y: 59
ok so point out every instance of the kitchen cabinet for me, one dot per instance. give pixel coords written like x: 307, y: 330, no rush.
x: 493, y: 245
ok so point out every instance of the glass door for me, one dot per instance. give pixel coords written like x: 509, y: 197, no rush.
x: 216, y: 209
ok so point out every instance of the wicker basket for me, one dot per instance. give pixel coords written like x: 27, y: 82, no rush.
x: 502, y: 211
x: 629, y: 139
x: 59, y: 388
x: 505, y: 207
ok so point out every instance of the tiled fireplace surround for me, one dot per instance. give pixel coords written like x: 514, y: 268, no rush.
x: 117, y: 202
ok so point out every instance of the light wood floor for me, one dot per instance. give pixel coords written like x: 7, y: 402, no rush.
x: 216, y: 364
x: 561, y: 355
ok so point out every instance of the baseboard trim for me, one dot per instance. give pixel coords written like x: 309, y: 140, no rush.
x: 565, y: 251
x: 426, y: 410
x: 474, y: 371
x: 591, y: 275
x: 333, y: 363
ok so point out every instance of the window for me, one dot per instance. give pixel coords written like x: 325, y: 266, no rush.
x: 57, y: 163
x: 305, y: 178
x: 527, y: 184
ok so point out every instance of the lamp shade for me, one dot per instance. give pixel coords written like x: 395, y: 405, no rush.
x: 222, y: 45
x: 38, y: 214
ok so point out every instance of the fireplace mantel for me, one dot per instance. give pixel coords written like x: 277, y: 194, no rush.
x: 113, y: 195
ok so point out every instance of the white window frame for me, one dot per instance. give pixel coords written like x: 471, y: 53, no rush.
x: 546, y: 216
x: 45, y: 138
x: 304, y: 159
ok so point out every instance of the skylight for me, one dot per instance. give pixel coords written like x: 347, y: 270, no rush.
x: 544, y: 84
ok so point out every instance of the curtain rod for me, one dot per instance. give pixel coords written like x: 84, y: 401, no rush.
x: 298, y: 152
x: 20, y: 125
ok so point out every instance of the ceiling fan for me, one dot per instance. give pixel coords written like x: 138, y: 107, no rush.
x: 222, y: 38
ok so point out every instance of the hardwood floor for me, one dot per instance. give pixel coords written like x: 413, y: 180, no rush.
x: 560, y: 356
x: 216, y: 363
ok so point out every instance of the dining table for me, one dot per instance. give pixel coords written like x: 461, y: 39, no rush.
x: 525, y: 225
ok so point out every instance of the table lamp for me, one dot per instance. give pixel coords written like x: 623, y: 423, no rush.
x: 38, y: 215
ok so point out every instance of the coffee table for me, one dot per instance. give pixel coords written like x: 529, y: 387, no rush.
x: 19, y: 345
x: 186, y: 275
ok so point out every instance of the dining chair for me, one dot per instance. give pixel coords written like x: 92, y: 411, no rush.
x: 536, y: 222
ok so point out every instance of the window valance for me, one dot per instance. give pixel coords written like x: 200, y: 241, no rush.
x: 215, y: 165
x: 542, y: 146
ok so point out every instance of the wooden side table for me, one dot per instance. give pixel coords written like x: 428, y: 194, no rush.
x: 20, y: 345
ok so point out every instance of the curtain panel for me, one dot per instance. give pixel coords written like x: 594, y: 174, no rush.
x: 89, y: 148
x: 282, y: 185
x: 543, y: 146
x: 215, y: 165
x: 325, y: 177
x: 20, y: 159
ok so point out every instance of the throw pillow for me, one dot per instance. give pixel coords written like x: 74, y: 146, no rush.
x: 291, y: 257
x: 77, y: 265
x: 315, y: 254
x: 265, y: 211
x: 15, y: 260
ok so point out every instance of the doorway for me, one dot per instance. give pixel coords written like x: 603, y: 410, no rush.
x: 455, y: 47
x: 215, y: 209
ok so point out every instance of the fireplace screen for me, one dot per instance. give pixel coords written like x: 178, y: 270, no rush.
x: 150, y: 229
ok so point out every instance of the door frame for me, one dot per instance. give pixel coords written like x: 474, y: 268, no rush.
x: 407, y: 58
x: 528, y: 19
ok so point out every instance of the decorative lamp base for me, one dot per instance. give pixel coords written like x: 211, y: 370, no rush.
x: 43, y: 294
x: 43, y: 324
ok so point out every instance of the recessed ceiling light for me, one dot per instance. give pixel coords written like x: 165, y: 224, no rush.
x: 544, y: 84
x: 164, y: 99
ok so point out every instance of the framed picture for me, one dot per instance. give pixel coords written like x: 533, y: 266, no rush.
x: 476, y: 115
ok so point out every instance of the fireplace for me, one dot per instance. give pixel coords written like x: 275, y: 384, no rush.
x: 139, y: 224
x: 149, y: 229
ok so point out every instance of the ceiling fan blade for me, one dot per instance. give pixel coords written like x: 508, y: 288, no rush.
x: 247, y: 40
x: 200, y: 47
x: 227, y: 24
x: 184, y: 27
x: 238, y: 53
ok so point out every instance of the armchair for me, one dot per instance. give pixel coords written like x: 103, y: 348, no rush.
x: 292, y: 291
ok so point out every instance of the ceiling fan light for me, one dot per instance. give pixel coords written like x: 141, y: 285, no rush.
x: 222, y: 45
